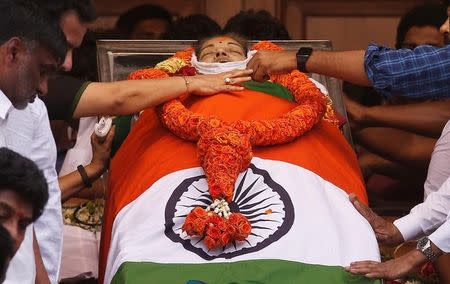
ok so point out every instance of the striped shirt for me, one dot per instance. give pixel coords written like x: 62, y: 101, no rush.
x: 423, y: 72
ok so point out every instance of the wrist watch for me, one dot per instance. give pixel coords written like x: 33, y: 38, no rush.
x: 424, y: 246
x: 302, y: 57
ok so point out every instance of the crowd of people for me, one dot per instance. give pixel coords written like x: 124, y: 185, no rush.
x: 47, y: 85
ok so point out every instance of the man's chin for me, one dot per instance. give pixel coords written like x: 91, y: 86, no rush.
x: 24, y: 104
x: 20, y: 105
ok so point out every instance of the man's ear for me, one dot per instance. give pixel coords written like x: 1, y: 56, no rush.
x: 14, y: 46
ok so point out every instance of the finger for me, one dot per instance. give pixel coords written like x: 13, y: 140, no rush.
x: 365, y: 211
x: 110, y: 135
x: 374, y: 275
x: 364, y: 263
x: 94, y: 138
x: 240, y: 80
x: 232, y: 88
x: 259, y: 74
x: 240, y: 73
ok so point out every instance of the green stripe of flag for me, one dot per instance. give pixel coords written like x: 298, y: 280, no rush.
x: 242, y: 272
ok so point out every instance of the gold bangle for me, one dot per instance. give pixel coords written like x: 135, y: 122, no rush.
x: 186, y: 83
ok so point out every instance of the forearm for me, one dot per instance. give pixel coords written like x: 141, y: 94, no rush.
x: 73, y: 183
x: 126, y: 97
x: 345, y: 65
x: 41, y: 273
x: 98, y: 190
x: 377, y: 164
x: 397, y: 145
x: 427, y: 118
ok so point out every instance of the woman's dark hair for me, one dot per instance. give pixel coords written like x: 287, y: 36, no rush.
x: 26, y: 20
x: 22, y: 176
x: 240, y: 39
x: 127, y: 21
x: 433, y: 15
x: 195, y: 27
x: 260, y: 25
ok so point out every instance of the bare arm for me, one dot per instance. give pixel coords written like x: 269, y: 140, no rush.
x: 427, y: 118
x: 345, y: 65
x: 126, y: 97
x: 397, y: 145
x: 72, y: 183
x: 372, y: 163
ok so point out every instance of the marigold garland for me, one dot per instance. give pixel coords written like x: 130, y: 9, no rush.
x: 225, y: 148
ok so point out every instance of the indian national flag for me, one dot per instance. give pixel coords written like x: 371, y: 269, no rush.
x: 304, y: 229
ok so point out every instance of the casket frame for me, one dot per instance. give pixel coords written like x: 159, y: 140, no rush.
x: 117, y: 58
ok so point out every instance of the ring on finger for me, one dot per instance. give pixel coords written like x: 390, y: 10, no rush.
x: 227, y: 80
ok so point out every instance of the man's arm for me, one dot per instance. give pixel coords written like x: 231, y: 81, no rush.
x: 374, y: 164
x: 345, y: 65
x: 327, y: 63
x: 425, y: 118
x: 408, y: 149
x: 419, y: 73
x: 425, y: 217
x: 391, y: 269
x: 428, y: 216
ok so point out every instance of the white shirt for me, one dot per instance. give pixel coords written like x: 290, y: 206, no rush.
x: 432, y: 217
x: 439, y: 169
x: 28, y: 133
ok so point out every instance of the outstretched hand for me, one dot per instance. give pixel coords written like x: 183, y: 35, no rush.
x: 205, y: 85
x: 385, y: 231
x: 391, y: 269
x: 266, y: 63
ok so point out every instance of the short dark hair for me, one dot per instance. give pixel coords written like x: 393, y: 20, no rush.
x: 240, y: 39
x: 127, y: 21
x: 260, y: 25
x: 22, y: 176
x: 24, y: 19
x: 6, y: 251
x: 433, y: 15
x: 56, y: 8
x: 195, y: 27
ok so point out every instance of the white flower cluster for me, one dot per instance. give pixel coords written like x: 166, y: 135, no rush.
x: 220, y: 207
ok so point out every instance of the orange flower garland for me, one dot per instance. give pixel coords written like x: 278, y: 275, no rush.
x: 225, y: 148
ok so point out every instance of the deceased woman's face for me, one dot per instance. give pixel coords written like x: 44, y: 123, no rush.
x: 221, y: 49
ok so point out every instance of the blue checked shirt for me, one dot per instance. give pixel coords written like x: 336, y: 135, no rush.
x: 420, y: 73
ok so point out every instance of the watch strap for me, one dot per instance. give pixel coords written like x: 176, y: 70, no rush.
x: 303, y: 55
x: 427, y: 250
x: 87, y: 183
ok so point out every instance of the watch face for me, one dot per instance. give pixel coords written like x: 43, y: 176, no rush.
x: 423, y: 243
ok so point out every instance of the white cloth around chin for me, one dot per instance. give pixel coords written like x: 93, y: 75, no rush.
x: 217, y: 67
